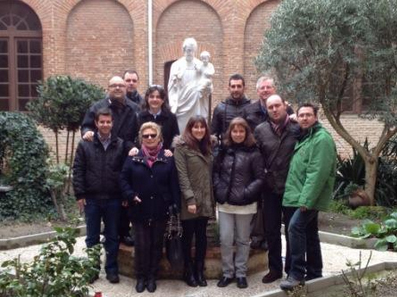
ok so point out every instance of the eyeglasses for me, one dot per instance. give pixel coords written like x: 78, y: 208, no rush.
x: 160, y: 87
x: 146, y: 136
x: 114, y: 86
x: 131, y: 80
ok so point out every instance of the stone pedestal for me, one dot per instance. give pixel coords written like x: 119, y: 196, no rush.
x: 257, y: 262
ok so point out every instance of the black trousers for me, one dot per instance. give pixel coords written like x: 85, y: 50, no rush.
x: 148, y: 248
x: 124, y: 226
x: 272, y: 215
x: 197, y: 228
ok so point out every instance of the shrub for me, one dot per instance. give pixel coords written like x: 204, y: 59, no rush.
x: 54, y: 272
x: 23, y: 152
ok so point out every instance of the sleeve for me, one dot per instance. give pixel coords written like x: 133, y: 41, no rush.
x: 174, y: 186
x: 216, y: 124
x: 88, y: 123
x: 319, y: 168
x: 133, y: 133
x: 126, y: 181
x: 79, y: 172
x: 253, y: 190
x: 184, y: 181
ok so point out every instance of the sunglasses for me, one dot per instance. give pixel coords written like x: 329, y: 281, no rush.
x: 146, y: 136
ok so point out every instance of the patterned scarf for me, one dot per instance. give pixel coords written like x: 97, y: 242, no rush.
x: 279, y: 127
x: 151, y: 153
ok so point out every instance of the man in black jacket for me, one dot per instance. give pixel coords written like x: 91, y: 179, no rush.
x: 131, y: 79
x: 96, y: 171
x: 232, y: 107
x: 125, y: 126
x: 276, y: 139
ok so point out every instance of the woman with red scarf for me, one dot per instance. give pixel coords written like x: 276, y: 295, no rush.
x: 149, y: 182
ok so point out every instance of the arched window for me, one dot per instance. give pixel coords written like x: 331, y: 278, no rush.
x: 21, y: 63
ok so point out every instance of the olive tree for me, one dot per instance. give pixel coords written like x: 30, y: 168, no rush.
x: 320, y: 49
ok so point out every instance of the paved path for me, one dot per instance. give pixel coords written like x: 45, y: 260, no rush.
x: 334, y: 258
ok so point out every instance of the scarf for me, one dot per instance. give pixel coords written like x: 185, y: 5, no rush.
x: 279, y: 127
x: 151, y: 153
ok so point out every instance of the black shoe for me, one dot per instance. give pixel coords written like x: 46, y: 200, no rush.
x: 151, y: 285
x: 113, y: 278
x: 200, y: 278
x: 242, y: 283
x: 140, y: 285
x: 271, y: 277
x: 127, y: 240
x: 224, y: 282
x: 93, y: 278
x: 188, y: 275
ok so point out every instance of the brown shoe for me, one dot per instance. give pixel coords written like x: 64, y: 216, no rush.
x: 271, y: 277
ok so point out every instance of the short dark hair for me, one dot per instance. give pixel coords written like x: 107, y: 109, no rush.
x: 249, y: 140
x: 237, y: 76
x: 103, y: 111
x: 130, y: 72
x: 163, y: 95
x: 308, y: 104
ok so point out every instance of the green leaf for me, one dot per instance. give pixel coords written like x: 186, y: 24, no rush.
x: 381, y: 245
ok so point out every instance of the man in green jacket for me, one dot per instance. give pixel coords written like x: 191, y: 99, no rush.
x: 308, y: 190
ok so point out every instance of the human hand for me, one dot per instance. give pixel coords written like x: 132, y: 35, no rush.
x: 293, y: 117
x: 133, y: 152
x: 137, y: 200
x: 168, y: 153
x: 88, y: 136
x: 81, y: 203
x: 192, y: 208
x: 124, y: 203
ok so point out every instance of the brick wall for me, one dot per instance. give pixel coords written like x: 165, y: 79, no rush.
x: 96, y: 39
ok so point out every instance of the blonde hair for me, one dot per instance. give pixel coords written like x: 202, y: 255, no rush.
x: 153, y: 126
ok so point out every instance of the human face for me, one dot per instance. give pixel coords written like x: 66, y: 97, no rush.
x: 265, y: 90
x: 198, y: 131
x: 236, y: 89
x: 189, y: 52
x: 132, y: 81
x: 150, y: 139
x: 104, y: 125
x: 205, y: 60
x: 276, y: 108
x: 117, y: 88
x: 155, y: 101
x: 306, y: 117
x: 238, y: 134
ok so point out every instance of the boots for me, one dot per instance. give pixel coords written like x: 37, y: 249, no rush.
x: 188, y: 275
x: 201, y: 281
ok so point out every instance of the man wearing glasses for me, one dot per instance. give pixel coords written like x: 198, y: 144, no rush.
x: 125, y: 123
x: 131, y: 79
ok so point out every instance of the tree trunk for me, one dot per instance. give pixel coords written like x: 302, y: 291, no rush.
x: 56, y: 146
x: 67, y: 148
x: 371, y: 169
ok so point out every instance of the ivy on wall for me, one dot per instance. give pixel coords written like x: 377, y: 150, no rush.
x: 23, y: 154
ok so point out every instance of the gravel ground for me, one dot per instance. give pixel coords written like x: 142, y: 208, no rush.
x: 334, y: 258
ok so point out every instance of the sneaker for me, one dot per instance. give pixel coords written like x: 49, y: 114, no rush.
x: 290, y: 283
x: 113, y: 278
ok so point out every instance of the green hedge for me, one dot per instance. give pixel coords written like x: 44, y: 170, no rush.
x: 23, y: 152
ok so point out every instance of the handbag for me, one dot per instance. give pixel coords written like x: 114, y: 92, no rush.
x: 173, y: 242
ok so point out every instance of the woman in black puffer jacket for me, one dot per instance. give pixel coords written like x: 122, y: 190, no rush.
x: 238, y: 179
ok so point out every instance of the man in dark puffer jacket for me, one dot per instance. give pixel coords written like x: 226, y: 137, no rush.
x: 96, y: 170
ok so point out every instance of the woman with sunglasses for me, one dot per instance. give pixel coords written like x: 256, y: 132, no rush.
x: 194, y: 161
x: 155, y: 109
x: 238, y: 179
x: 149, y: 182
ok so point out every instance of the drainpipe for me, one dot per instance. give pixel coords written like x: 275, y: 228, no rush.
x: 150, y: 41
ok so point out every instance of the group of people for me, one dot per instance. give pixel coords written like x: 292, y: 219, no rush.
x: 134, y: 159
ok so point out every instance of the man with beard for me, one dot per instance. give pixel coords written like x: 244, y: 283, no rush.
x: 276, y: 139
x: 232, y: 107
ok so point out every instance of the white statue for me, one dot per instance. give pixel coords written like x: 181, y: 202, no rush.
x: 187, y: 85
x: 206, y: 87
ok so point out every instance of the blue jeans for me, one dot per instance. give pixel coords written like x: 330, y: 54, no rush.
x: 304, y: 245
x: 109, y: 211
